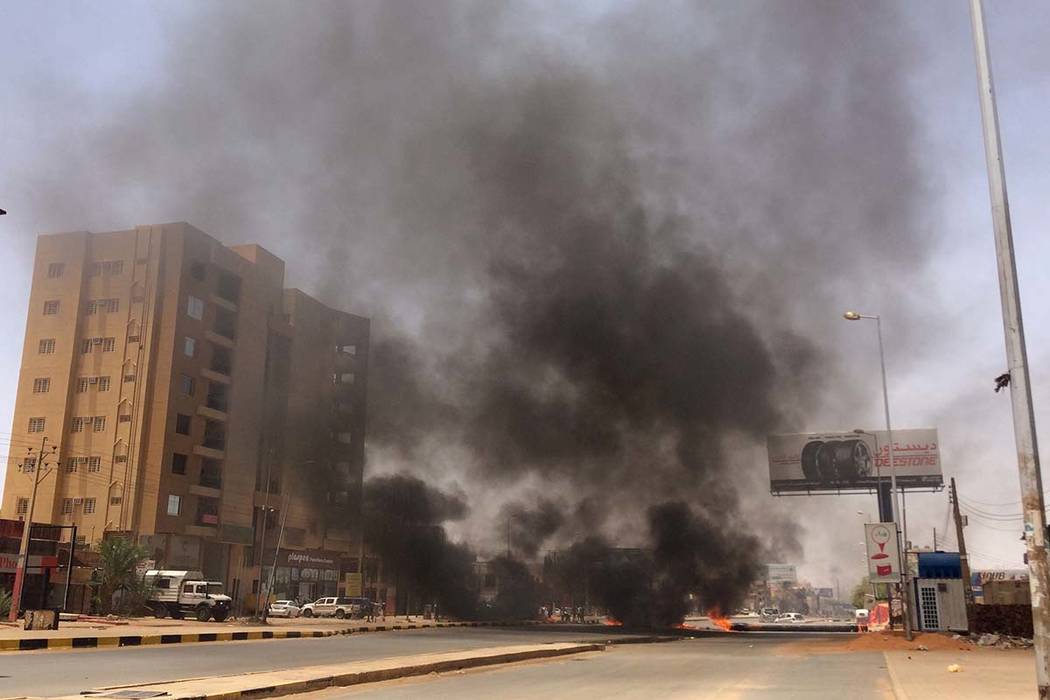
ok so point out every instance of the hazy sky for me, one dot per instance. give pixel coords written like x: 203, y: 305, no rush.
x: 73, y: 71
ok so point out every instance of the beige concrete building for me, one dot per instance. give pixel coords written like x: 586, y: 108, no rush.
x: 188, y: 393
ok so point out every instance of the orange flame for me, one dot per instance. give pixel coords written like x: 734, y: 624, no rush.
x: 612, y: 622
x: 723, y: 623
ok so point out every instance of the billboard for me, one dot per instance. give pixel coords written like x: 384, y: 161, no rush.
x: 781, y: 573
x: 853, y: 460
x: 884, y: 561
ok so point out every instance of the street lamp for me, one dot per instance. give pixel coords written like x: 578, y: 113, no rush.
x: 854, y: 316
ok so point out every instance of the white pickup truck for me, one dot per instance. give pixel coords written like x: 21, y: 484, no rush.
x: 180, y: 593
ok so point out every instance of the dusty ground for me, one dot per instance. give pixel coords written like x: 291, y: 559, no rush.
x: 884, y: 641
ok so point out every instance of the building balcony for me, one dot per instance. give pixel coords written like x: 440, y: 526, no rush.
x: 220, y: 340
x: 208, y: 412
x: 221, y: 302
x: 216, y: 376
x: 206, y: 490
x: 209, y: 452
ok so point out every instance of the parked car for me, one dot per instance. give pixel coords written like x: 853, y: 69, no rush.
x: 791, y: 618
x: 331, y: 606
x: 769, y: 614
x: 284, y: 608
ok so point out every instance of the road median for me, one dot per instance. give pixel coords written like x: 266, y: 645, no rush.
x: 310, y: 678
x: 81, y: 639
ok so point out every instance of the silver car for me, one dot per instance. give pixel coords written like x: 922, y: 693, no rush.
x: 283, y: 608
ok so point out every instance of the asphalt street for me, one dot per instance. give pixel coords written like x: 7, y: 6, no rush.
x: 61, y: 672
x: 729, y: 668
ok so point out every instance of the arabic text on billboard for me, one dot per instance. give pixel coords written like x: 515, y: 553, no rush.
x: 781, y: 573
x: 851, y: 460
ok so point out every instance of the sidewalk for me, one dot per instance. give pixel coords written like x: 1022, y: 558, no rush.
x: 985, y: 673
x: 301, y: 680
x: 145, y: 631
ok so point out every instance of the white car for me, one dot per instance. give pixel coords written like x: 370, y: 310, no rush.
x: 791, y: 618
x: 283, y: 608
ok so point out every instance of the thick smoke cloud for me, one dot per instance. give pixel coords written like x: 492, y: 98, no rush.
x: 587, y: 239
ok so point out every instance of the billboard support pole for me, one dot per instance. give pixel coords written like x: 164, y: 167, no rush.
x: 1017, y: 360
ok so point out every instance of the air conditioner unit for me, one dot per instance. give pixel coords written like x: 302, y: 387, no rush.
x: 93, y: 380
x: 77, y: 501
x: 96, y: 341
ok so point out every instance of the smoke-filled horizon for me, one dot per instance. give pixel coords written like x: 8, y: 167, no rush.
x: 589, y: 238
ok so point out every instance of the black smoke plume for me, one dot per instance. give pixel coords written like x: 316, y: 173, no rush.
x: 403, y: 525
x: 588, y: 238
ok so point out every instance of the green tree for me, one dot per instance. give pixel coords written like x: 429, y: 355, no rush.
x: 5, y: 602
x: 862, y: 593
x: 120, y: 589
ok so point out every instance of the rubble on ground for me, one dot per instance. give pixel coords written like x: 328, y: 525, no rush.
x: 1001, y: 641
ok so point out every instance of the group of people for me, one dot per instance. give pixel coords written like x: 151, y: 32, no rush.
x: 564, y: 614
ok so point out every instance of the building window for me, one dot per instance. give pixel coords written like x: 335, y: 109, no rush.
x: 207, y: 511
x: 56, y: 269
x: 189, y: 346
x: 198, y: 271
x: 225, y: 323
x: 89, y: 505
x: 114, y: 500
x: 229, y: 287
x: 51, y: 307
x: 98, y: 423
x: 46, y: 347
x: 41, y: 385
x: 129, y: 377
x: 36, y: 425
x: 124, y: 418
x: 120, y: 459
x: 174, y: 504
x: 103, y: 306
x: 94, y: 464
x: 77, y: 425
x: 108, y: 344
x: 22, y: 506
x: 182, y: 424
x: 71, y: 465
x: 344, y: 378
x: 82, y: 384
x: 67, y: 506
x: 178, y: 463
x: 186, y: 384
x: 194, y: 307
x: 29, y: 464
x: 103, y: 383
x: 105, y: 267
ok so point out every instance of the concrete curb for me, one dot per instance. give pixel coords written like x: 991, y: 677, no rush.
x: 269, y: 688
x: 136, y: 640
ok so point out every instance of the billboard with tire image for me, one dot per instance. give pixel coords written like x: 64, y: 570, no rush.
x: 853, y: 460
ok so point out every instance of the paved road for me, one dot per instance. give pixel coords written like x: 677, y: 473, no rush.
x: 727, y: 668
x: 61, y: 673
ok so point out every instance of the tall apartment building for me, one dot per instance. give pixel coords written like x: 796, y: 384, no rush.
x: 188, y: 394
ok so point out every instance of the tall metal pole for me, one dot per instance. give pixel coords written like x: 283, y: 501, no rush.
x: 23, y: 547
x: 69, y: 567
x: 906, y: 597
x: 276, y: 554
x: 1017, y: 360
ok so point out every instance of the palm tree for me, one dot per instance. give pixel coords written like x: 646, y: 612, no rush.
x: 117, y: 575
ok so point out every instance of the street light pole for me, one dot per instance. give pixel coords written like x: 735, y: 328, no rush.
x: 1017, y: 361
x: 906, y: 598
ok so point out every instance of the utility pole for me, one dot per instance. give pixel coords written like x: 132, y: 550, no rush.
x: 276, y: 554
x: 27, y: 526
x: 262, y: 540
x: 1017, y: 361
x: 964, y: 561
